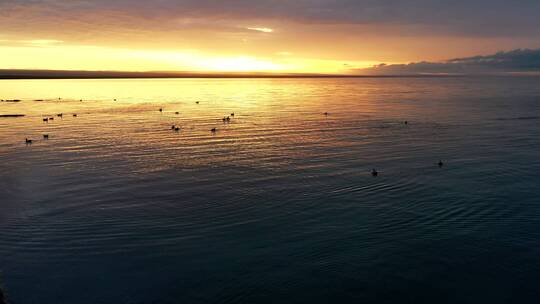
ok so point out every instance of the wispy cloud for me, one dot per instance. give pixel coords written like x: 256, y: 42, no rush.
x: 41, y: 41
x: 32, y: 43
x: 261, y: 29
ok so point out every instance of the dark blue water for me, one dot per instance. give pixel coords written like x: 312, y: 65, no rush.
x: 278, y: 206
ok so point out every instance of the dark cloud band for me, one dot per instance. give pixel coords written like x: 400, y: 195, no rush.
x: 520, y: 60
x: 472, y: 17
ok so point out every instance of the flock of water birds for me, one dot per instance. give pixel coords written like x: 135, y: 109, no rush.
x: 226, y: 119
x: 176, y: 128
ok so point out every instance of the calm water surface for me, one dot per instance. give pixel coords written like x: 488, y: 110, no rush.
x: 278, y: 206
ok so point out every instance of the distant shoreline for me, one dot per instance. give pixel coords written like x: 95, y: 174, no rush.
x: 64, y: 74
x: 6, y: 74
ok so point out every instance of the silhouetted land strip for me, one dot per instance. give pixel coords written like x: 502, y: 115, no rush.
x: 61, y: 74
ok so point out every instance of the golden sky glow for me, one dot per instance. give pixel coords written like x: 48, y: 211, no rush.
x: 48, y: 54
x: 305, y: 36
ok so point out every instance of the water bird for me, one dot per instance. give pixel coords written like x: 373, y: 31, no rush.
x: 177, y: 129
x: 406, y: 122
x: 228, y: 119
x: 114, y: 99
x: 51, y: 118
x: 440, y: 163
x: 177, y: 113
x: 74, y: 115
x: 374, y: 172
x: 196, y: 102
x: 28, y: 141
x: 160, y: 109
x: 45, y: 136
x: 213, y: 130
x: 172, y: 127
x: 46, y: 119
x: 60, y: 115
x: 232, y: 114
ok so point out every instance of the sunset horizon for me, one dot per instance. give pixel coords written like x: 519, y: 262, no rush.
x: 513, y: 62
x: 269, y: 151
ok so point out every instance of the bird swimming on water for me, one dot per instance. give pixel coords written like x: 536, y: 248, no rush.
x: 374, y: 172
x: 440, y: 163
x: 45, y: 136
x: 60, y: 115
x: 213, y: 130
x: 196, y: 102
x: 28, y: 141
x: 74, y: 115
x: 232, y: 114
x: 176, y: 129
x: 46, y: 119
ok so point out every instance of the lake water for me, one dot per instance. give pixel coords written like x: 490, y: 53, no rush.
x: 278, y: 205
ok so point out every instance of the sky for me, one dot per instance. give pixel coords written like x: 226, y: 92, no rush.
x: 293, y: 36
